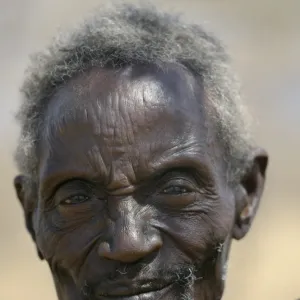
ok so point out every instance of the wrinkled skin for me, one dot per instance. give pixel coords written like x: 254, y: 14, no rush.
x: 133, y: 202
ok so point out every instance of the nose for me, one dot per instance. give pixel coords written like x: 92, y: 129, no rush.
x: 131, y: 242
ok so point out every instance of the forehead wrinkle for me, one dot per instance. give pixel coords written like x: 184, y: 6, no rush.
x: 143, y: 104
x: 62, y: 142
x: 123, y: 126
x: 118, y: 117
x: 131, y: 106
x: 128, y: 97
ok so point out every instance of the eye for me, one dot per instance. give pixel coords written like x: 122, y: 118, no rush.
x: 73, y: 200
x: 176, y: 194
x: 176, y: 190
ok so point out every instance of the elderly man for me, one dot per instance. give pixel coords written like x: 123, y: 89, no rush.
x: 136, y: 164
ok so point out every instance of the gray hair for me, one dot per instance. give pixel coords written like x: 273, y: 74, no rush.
x: 128, y: 35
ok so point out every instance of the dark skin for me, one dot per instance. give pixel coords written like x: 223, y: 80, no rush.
x: 133, y: 201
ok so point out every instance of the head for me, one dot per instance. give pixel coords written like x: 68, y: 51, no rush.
x: 137, y: 166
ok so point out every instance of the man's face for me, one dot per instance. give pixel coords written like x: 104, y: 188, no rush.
x: 132, y: 196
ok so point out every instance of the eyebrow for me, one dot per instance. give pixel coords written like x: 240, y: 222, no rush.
x: 54, y: 176
x: 183, y: 163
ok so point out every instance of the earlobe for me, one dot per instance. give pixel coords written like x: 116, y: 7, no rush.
x: 27, y: 202
x: 249, y: 192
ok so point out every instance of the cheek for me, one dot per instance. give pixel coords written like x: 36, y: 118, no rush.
x: 199, y: 234
x: 67, y: 238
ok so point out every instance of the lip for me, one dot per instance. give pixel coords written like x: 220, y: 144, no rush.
x: 136, y: 291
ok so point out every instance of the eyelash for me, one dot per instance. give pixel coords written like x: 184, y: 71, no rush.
x: 64, y: 202
x: 179, y: 187
x: 177, y: 190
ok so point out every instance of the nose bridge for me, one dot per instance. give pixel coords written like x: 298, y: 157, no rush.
x: 132, y: 237
x: 127, y: 216
x: 129, y: 230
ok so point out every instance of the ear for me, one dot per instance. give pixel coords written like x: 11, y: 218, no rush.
x: 249, y: 192
x: 28, y: 203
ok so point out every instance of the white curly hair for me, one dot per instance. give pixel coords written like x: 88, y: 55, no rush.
x: 128, y: 35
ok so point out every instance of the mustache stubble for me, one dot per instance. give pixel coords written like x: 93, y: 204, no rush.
x: 183, y: 278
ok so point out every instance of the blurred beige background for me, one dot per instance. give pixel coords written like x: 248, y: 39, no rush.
x: 264, y: 39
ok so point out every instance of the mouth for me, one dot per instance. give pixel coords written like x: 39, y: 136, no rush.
x: 135, y: 291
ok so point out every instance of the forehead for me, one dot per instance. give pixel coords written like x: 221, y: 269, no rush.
x: 133, y: 99
x: 138, y: 113
x: 144, y: 88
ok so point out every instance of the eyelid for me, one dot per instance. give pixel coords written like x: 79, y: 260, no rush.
x: 49, y: 192
x: 70, y: 188
x: 177, y: 181
x: 185, y: 174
